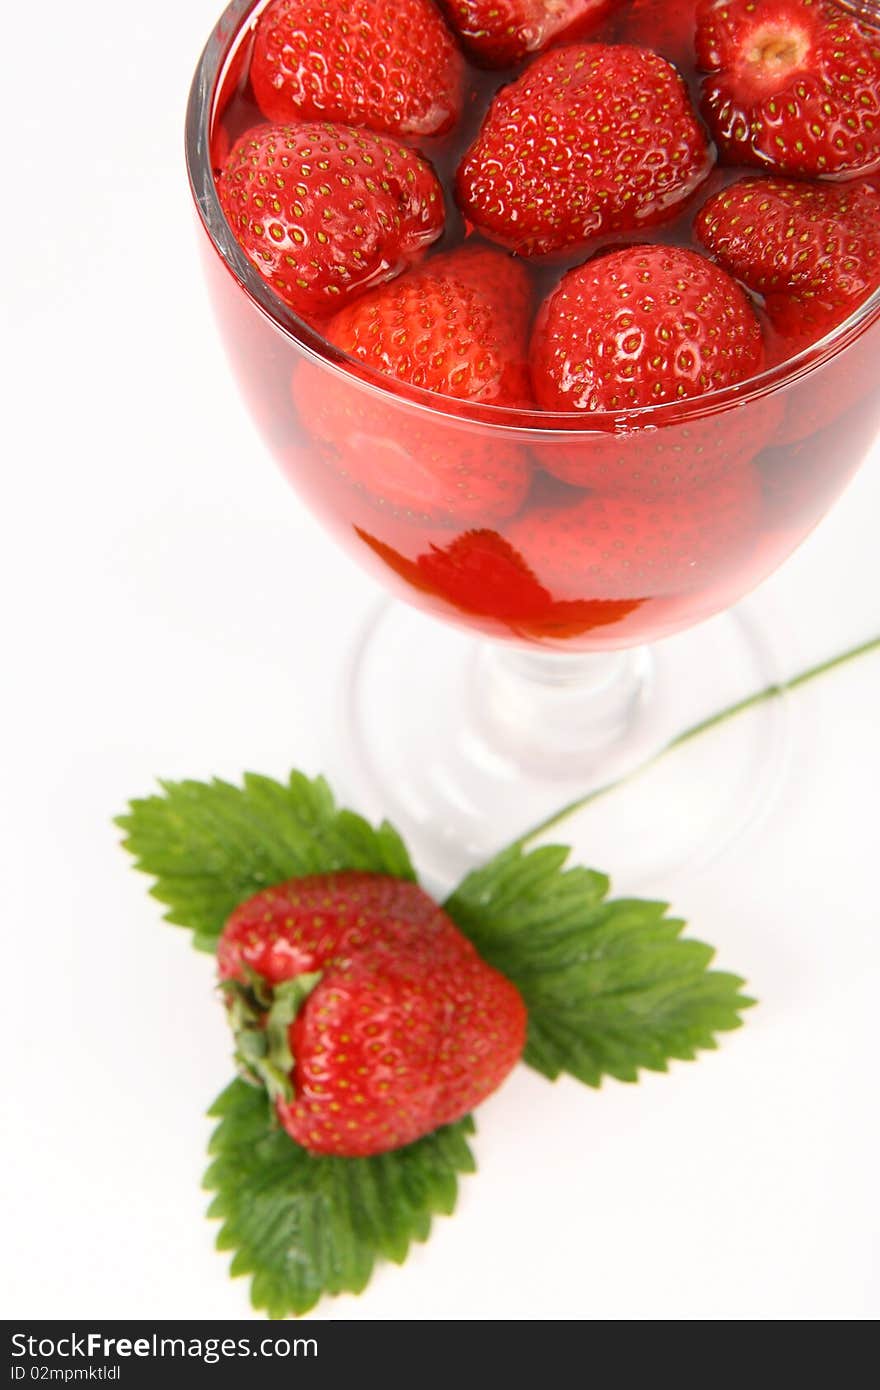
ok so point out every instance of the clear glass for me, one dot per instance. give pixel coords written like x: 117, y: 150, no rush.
x: 549, y: 702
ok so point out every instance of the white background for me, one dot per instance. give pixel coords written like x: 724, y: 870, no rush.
x: 170, y: 610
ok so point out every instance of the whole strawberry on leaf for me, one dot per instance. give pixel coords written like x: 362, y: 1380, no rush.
x: 326, y: 212
x: 610, y: 987
x: 812, y: 250
x: 367, y: 1015
x: 392, y: 67
x: 794, y: 85
x: 590, y: 139
x: 499, y: 33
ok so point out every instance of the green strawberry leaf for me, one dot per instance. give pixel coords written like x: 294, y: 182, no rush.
x: 304, y: 1226
x: 211, y: 845
x: 611, y: 986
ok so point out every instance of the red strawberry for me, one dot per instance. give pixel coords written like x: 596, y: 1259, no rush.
x: 646, y: 326
x: 634, y: 547
x: 640, y: 327
x: 325, y: 212
x: 591, y: 139
x: 286, y: 931
x: 432, y: 332
x: 795, y: 85
x: 499, y: 33
x: 666, y: 26
x: 812, y: 250
x: 499, y: 279
x: 406, y: 1030
x: 392, y: 67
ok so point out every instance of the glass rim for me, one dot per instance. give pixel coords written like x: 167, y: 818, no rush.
x: 528, y: 421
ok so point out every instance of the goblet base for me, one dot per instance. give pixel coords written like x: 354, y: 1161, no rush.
x: 466, y: 745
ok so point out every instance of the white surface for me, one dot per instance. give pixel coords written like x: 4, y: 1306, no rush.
x: 170, y: 611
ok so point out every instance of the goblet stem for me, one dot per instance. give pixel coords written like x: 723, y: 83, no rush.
x: 552, y: 710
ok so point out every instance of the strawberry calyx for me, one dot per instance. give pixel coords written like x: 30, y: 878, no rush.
x: 260, y: 1016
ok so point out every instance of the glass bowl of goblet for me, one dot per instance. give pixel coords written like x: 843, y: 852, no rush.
x: 545, y: 635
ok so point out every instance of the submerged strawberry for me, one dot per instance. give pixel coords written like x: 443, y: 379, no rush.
x: 326, y: 212
x: 429, y: 330
x: 795, y: 85
x: 499, y: 33
x: 646, y: 326
x: 812, y: 250
x: 641, y: 547
x: 365, y: 1012
x: 591, y: 139
x: 391, y: 67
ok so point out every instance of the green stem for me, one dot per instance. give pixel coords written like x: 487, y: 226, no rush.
x: 770, y: 692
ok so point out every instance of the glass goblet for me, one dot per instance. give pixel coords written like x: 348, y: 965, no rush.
x: 517, y: 673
